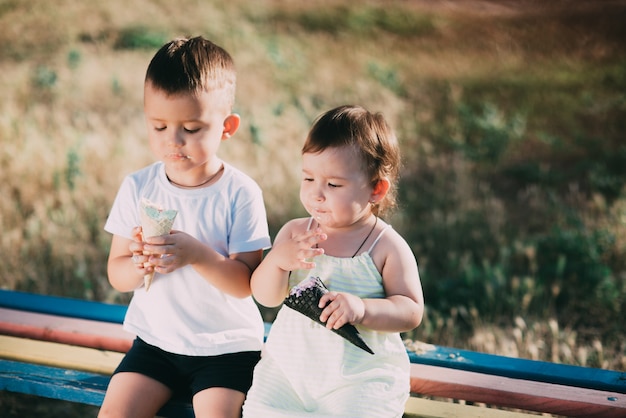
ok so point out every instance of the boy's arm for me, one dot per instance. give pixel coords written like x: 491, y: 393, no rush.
x: 124, y: 275
x: 229, y: 274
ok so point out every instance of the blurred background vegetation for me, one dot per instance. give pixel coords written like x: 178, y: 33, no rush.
x: 511, y: 117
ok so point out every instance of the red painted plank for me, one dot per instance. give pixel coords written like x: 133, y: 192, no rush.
x: 72, y: 331
x: 516, y: 393
x: 520, y: 368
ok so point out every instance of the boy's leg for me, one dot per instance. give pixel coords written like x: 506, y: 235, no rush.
x: 218, y: 403
x: 133, y: 395
x: 219, y: 383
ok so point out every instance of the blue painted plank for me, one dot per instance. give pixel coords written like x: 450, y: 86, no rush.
x: 518, y: 368
x: 70, y: 385
x: 62, y: 306
x: 52, y: 382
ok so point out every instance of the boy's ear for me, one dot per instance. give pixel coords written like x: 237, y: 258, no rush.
x: 380, y: 190
x: 231, y: 124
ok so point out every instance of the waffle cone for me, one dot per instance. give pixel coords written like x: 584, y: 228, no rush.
x: 155, y: 222
x: 304, y: 298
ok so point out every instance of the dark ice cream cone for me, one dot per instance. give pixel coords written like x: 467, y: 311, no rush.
x: 304, y: 298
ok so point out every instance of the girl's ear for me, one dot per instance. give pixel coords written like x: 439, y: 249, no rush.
x: 231, y: 124
x: 380, y: 190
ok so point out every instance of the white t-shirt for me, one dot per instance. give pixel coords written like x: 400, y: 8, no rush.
x: 182, y: 312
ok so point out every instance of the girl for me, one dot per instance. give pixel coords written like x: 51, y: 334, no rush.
x: 350, y: 164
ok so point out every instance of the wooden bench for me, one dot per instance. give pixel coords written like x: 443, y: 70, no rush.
x: 63, y: 348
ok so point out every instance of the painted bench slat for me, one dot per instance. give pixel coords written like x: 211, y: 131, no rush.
x: 59, y: 355
x: 73, y: 331
x: 72, y: 334
x: 57, y: 305
x: 425, y: 380
x: 516, y: 393
x: 439, y: 356
x: 519, y: 368
x: 70, y: 385
x: 427, y: 408
x: 89, y: 388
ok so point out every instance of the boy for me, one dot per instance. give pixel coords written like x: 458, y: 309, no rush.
x: 197, y: 328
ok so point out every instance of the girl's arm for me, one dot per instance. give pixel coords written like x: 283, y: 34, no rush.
x: 403, y: 307
x: 291, y: 250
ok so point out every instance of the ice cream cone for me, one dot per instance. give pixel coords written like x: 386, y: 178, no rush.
x: 155, y: 221
x: 304, y: 298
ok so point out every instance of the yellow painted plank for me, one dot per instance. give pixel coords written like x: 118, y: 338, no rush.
x: 59, y: 355
x: 427, y: 408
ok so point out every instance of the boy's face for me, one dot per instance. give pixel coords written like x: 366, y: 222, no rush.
x: 185, y: 131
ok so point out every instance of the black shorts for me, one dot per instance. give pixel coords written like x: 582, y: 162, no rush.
x: 188, y: 375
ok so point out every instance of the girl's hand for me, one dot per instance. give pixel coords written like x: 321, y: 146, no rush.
x: 293, y: 253
x: 340, y: 309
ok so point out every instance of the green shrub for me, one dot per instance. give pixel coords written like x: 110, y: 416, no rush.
x: 140, y: 37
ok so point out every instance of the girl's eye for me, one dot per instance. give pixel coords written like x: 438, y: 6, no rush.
x: 333, y: 185
x: 307, y: 179
x: 159, y: 128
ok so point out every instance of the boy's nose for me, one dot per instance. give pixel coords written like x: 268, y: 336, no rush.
x: 178, y: 138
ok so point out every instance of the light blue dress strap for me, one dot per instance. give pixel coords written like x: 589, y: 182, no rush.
x: 377, y: 238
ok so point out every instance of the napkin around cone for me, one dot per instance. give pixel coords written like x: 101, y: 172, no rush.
x: 155, y: 221
x: 304, y: 298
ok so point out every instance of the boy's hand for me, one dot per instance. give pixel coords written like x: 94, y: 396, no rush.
x: 170, y: 252
x: 341, y: 308
x: 139, y: 257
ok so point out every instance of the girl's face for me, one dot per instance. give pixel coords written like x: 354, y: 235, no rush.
x: 335, y: 189
x: 185, y: 131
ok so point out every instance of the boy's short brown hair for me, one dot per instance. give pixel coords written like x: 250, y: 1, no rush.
x: 192, y: 65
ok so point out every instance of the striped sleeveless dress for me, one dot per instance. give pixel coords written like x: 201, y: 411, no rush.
x: 308, y: 371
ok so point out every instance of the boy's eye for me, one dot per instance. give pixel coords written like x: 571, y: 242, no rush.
x: 192, y: 131
x: 307, y: 179
x: 159, y: 128
x: 333, y: 185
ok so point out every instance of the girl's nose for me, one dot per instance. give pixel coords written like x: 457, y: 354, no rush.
x: 318, y: 194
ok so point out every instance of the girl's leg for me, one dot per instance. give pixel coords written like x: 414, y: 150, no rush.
x: 218, y: 402
x: 133, y: 395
